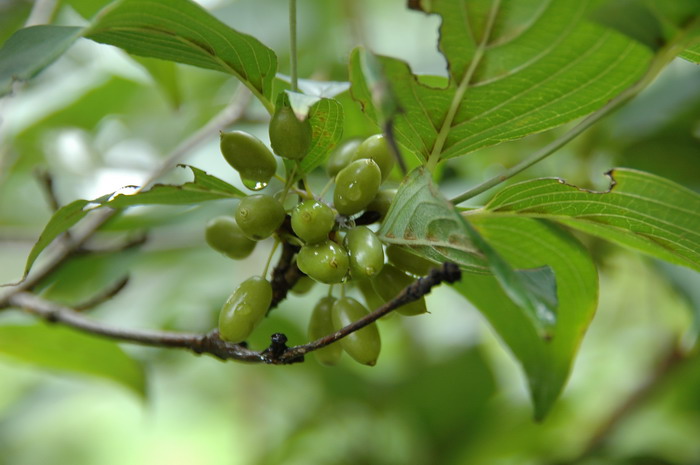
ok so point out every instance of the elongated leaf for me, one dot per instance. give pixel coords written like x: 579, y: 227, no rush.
x: 182, y: 31
x: 641, y: 211
x: 692, y: 54
x: 30, y: 50
x: 204, y: 187
x: 527, y: 242
x: 326, y: 117
x: 61, y: 221
x: 421, y: 218
x: 516, y: 68
x: 64, y: 349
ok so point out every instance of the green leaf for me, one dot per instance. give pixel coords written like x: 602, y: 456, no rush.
x: 516, y: 68
x: 421, y: 218
x: 326, y: 118
x: 641, y: 211
x: 526, y: 242
x: 634, y: 18
x: 204, y: 187
x: 87, y: 8
x: 32, y: 49
x: 692, y: 54
x: 61, y: 221
x: 182, y: 31
x: 64, y: 349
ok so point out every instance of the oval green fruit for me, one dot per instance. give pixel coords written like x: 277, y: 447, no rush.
x: 259, y: 216
x: 303, y: 286
x: 312, y: 221
x: 382, y: 202
x: 244, y: 309
x: 223, y: 235
x: 342, y: 156
x: 356, y: 185
x: 365, y: 252
x: 377, y: 148
x: 363, y: 345
x: 326, y: 262
x: 249, y: 156
x: 289, y: 136
x: 407, y: 261
x: 320, y: 325
x: 389, y: 282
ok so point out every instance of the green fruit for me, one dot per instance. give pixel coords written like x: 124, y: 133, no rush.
x: 259, y: 216
x: 244, y: 309
x: 377, y: 148
x: 312, y: 221
x: 363, y: 345
x: 289, y: 137
x: 371, y: 297
x: 326, y: 262
x: 303, y: 286
x: 342, y: 156
x: 407, y: 261
x: 250, y: 157
x: 320, y: 325
x: 356, y: 185
x: 382, y: 202
x: 389, y: 282
x: 223, y: 235
x: 365, y: 251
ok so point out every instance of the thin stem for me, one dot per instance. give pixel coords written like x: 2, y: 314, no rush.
x: 293, y: 43
x: 269, y: 258
x: 462, y: 89
x: 326, y: 187
x: 657, y: 64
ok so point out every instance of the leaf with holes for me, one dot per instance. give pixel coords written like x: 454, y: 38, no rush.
x: 516, y: 68
x: 421, y: 218
x: 641, y: 211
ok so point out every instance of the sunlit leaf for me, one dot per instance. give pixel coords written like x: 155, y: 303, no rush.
x: 182, y: 31
x: 326, y: 118
x: 642, y: 211
x: 529, y: 243
x: 64, y: 349
x: 421, y: 218
x: 30, y: 50
x: 516, y: 68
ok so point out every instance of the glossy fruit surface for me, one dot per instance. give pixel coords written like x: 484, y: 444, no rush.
x: 389, y: 282
x: 312, y: 221
x: 244, y: 309
x: 250, y: 157
x: 320, y: 325
x: 289, y: 137
x: 326, y: 262
x: 376, y: 148
x: 363, y: 345
x: 407, y: 261
x: 365, y: 251
x: 356, y: 185
x: 259, y: 216
x: 342, y: 156
x: 223, y: 235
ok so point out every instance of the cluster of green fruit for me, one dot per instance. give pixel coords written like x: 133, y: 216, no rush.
x: 333, y: 249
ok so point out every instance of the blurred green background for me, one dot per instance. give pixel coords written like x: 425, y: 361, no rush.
x: 445, y: 391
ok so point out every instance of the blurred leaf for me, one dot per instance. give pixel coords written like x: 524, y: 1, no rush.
x: 326, y: 117
x: 32, y: 49
x: 632, y: 18
x: 421, y: 218
x: 166, y: 76
x: 87, y: 8
x: 204, y: 187
x: 326, y: 89
x: 61, y: 221
x: 64, y: 349
x: 531, y: 243
x: 182, y: 31
x: 539, y: 65
x: 641, y: 211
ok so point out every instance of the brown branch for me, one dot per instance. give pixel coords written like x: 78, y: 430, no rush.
x: 276, y: 354
x: 285, y: 274
x: 103, y: 296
